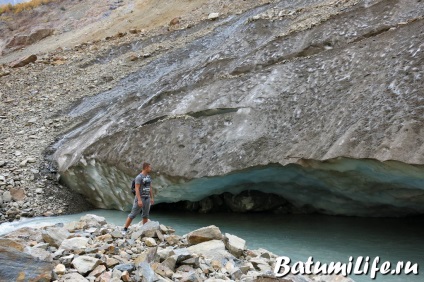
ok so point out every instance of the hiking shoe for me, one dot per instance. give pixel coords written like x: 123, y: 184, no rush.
x: 124, y: 231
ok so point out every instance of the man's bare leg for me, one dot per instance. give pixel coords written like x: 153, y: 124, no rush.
x: 145, y: 219
x: 127, y: 222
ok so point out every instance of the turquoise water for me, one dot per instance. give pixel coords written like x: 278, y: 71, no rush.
x: 325, y: 238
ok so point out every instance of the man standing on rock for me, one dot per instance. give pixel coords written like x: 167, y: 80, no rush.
x: 143, y: 196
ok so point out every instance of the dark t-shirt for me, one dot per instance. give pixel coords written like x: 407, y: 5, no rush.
x: 145, y: 182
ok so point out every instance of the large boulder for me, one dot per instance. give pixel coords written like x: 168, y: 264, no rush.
x: 22, y: 40
x: 55, y: 235
x: 317, y: 102
x: 204, y: 234
x: 15, y: 265
x: 214, y: 249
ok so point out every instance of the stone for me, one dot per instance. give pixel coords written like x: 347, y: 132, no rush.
x: 60, y: 269
x: 181, y: 254
x: 234, y: 244
x: 149, y: 229
x: 170, y: 262
x: 22, y: 40
x: 150, y: 242
x: 85, y: 264
x: 75, y: 243
x: 92, y: 220
x: 39, y: 253
x: 174, y: 21
x: 24, y: 61
x: 162, y: 270
x: 125, y: 267
x: 15, y: 265
x: 111, y: 262
x: 172, y: 239
x: 17, y: 194
x: 145, y: 273
x: 204, y: 234
x: 73, y: 277
x: 126, y: 276
x: 214, y: 249
x: 55, y: 235
x: 7, y: 197
x: 213, y: 16
x: 98, y: 271
x: 16, y: 244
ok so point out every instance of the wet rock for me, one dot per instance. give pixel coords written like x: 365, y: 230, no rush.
x: 204, y: 234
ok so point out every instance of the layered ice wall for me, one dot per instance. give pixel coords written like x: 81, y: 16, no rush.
x: 321, y: 101
x: 338, y: 186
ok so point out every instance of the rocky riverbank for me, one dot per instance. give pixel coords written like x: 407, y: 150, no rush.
x: 93, y: 250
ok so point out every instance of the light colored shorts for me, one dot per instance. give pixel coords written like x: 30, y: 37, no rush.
x: 144, y: 210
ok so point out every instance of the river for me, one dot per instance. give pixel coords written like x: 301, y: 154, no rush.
x: 325, y: 238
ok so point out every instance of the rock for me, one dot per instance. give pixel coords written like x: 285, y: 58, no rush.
x: 145, y: 273
x: 60, y: 269
x: 39, y: 254
x: 20, y: 40
x: 150, y: 242
x: 7, y: 197
x: 234, y: 244
x: 181, y: 254
x: 147, y: 230
x: 98, y: 271
x: 16, y: 244
x: 55, y: 235
x: 170, y: 262
x: 15, y: 265
x: 17, y: 194
x: 162, y: 270
x: 204, y: 234
x: 92, y: 220
x: 174, y: 21
x: 125, y: 276
x: 125, y: 267
x: 24, y: 61
x: 111, y: 262
x: 213, y: 16
x: 85, y: 264
x: 74, y: 243
x: 214, y: 249
x: 172, y: 239
x: 72, y: 277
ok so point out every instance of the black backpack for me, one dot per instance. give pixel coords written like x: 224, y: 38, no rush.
x: 133, y: 187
